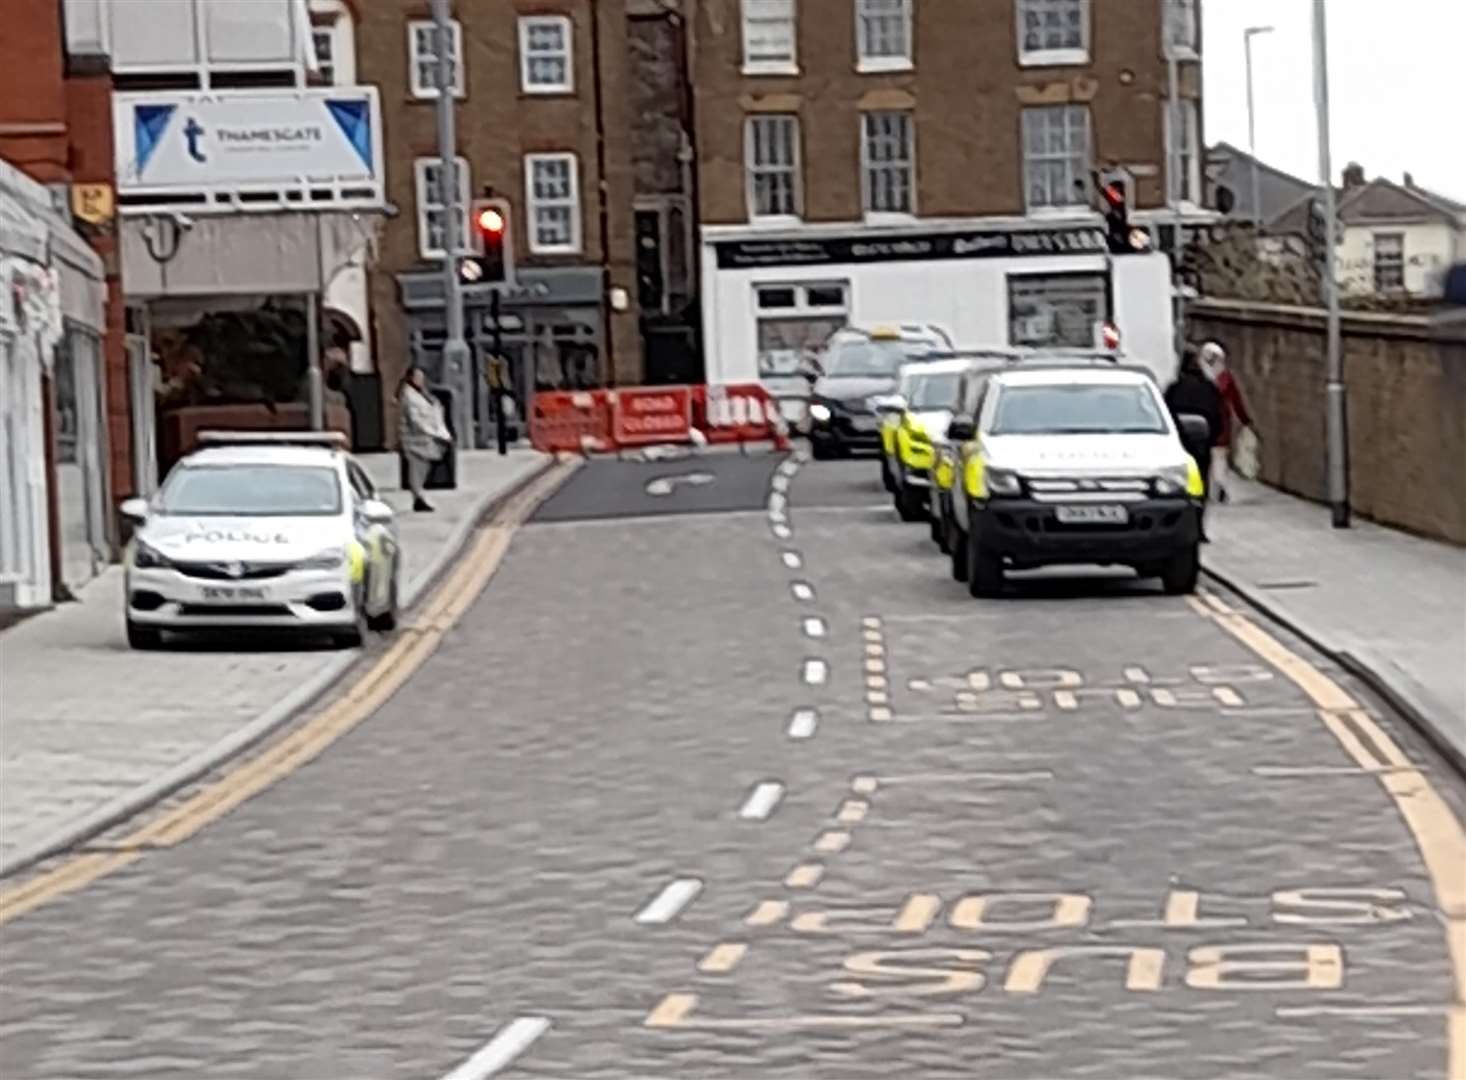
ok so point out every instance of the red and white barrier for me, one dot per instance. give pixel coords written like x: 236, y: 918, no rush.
x: 597, y: 421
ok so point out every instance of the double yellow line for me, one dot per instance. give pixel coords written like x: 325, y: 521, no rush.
x: 414, y: 644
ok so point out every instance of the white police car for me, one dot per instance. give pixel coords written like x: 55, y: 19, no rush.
x: 263, y: 531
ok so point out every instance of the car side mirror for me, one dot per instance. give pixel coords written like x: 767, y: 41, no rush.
x: 377, y: 512
x: 134, y: 510
x: 1195, y: 431
x: 961, y: 429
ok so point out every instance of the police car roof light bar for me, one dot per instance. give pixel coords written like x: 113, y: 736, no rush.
x: 333, y: 439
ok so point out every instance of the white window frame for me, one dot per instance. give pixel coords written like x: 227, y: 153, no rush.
x: 1066, y: 57
x: 533, y: 205
x: 1077, y: 201
x: 800, y: 310
x: 751, y: 169
x: 1182, y: 13
x: 754, y: 11
x: 429, y: 201
x: 416, y: 57
x: 867, y: 167
x: 1188, y: 160
x: 527, y: 25
x: 867, y: 64
x: 1374, y: 240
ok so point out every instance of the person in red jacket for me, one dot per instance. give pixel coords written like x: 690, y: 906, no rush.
x: 1214, y: 363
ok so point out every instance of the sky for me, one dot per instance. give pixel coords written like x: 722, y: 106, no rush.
x: 1397, y: 86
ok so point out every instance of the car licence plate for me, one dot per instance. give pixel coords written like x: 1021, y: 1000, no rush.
x: 232, y: 593
x: 1100, y: 514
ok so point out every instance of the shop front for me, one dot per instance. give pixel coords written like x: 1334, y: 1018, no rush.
x: 769, y: 298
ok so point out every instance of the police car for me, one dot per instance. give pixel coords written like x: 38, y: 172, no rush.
x: 914, y: 422
x: 1066, y: 463
x: 263, y: 531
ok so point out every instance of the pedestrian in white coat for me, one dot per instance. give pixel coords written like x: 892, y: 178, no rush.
x: 422, y: 432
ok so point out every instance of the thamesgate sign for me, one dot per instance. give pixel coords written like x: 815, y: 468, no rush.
x: 305, y: 147
x: 750, y: 254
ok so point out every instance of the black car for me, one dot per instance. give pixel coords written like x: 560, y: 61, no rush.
x: 856, y: 368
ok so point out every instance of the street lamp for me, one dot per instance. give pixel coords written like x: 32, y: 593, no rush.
x: 1335, y: 394
x: 1247, y: 36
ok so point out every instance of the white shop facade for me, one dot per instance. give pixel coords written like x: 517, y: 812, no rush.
x: 770, y: 296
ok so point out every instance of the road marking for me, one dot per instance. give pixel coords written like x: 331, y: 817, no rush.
x: 805, y: 876
x: 792, y: 560
x: 876, y: 682
x: 803, y: 723
x: 875, y: 648
x: 761, y: 801
x: 1288, y: 771
x: 917, y: 914
x: 347, y: 708
x: 816, y: 671
x: 865, y: 785
x: 767, y: 913
x: 875, y: 666
x: 674, y: 1011
x: 871, y: 622
x: 803, y: 591
x: 780, y: 482
x: 832, y: 841
x: 877, y: 697
x: 502, y: 1049
x: 880, y: 714
x: 781, y: 531
x: 852, y: 811
x: 1229, y: 697
x: 1303, y: 1012
x: 1438, y: 833
x: 669, y: 903
x: 814, y: 627
x: 968, y: 777
x: 722, y: 958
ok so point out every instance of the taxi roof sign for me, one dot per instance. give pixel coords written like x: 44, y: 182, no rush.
x: 885, y: 333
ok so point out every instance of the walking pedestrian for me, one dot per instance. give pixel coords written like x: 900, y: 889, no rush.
x: 1214, y: 363
x: 422, y: 432
x: 1194, y: 393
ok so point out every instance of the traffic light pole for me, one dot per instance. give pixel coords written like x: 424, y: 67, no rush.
x: 1335, y: 394
x: 501, y: 369
x: 455, y: 349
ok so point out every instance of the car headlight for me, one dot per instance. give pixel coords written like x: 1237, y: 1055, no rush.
x: 330, y: 559
x: 147, y: 557
x: 819, y: 412
x: 1003, y: 481
x: 1169, y: 483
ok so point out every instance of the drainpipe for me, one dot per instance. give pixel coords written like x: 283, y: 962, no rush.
x: 608, y: 345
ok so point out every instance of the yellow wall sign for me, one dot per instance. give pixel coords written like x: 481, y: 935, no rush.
x: 92, y: 203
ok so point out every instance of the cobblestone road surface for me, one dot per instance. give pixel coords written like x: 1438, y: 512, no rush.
x: 716, y: 794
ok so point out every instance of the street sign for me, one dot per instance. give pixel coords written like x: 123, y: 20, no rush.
x: 93, y: 203
x: 652, y: 415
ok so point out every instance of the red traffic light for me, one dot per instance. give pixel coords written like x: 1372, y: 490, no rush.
x: 1114, y: 195
x: 490, y: 221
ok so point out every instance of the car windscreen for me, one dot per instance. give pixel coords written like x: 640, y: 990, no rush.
x: 252, y: 490
x: 870, y: 359
x: 1084, y: 409
x: 933, y: 391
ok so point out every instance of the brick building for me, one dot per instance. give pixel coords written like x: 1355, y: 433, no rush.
x: 924, y: 160
x: 548, y: 118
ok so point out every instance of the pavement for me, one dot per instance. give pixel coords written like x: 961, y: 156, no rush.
x: 746, y: 786
x: 88, y: 728
x: 1390, y: 605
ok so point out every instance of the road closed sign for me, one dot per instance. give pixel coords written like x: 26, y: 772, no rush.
x: 652, y: 415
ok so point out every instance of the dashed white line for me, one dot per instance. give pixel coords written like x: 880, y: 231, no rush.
x: 803, y: 591
x: 803, y: 723
x: 781, y: 531
x: 792, y: 560
x: 668, y: 904
x: 814, y: 627
x: 502, y: 1049
x: 780, y: 482
x: 761, y: 801
x: 777, y: 505
x: 816, y: 671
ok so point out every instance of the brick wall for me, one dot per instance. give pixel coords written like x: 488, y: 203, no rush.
x: 1407, y: 407
x: 32, y: 93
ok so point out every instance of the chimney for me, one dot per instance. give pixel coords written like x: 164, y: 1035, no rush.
x: 1409, y: 180
x: 1353, y: 176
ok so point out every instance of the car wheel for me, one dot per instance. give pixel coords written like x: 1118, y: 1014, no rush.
x: 1182, y: 572
x: 887, y: 480
x: 984, y: 569
x: 957, y: 548
x: 143, y: 638
x: 354, y: 636
x: 387, y: 620
x: 910, y: 504
x: 936, y: 529
x: 821, y: 451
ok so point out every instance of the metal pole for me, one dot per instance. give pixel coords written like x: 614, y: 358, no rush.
x: 1175, y: 137
x: 1335, y: 395
x: 456, y: 372
x: 501, y: 373
x: 314, y: 379
x: 1247, y: 36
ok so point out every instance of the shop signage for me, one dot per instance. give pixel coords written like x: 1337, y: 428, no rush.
x: 915, y: 247
x: 254, y: 141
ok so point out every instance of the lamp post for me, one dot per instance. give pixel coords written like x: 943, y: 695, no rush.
x: 1247, y: 36
x: 1335, y: 396
x: 456, y: 355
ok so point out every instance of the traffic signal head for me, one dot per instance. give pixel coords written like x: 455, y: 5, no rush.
x: 489, y: 228
x: 1114, y: 204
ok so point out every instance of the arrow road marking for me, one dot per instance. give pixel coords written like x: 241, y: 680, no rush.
x: 665, y: 485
